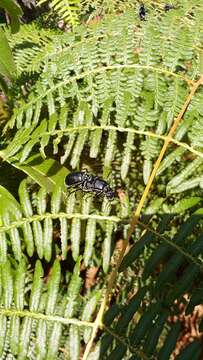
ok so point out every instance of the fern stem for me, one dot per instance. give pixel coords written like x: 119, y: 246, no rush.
x: 128, y: 130
x: 40, y: 316
x: 174, y: 245
x: 115, y: 128
x: 126, y: 343
x: 176, y: 122
x: 61, y: 215
x: 136, y: 215
x: 100, y: 70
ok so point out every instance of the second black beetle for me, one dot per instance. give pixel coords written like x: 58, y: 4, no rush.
x: 142, y: 12
x: 89, y: 183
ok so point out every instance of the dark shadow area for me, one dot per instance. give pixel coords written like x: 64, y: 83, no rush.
x: 11, y: 178
x: 163, y: 290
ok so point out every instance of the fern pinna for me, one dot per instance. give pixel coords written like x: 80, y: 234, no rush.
x: 105, y: 96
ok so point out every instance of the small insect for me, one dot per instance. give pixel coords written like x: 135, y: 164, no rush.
x: 142, y: 12
x: 168, y: 7
x: 89, y: 183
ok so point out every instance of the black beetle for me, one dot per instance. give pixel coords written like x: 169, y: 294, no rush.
x: 89, y: 183
x: 168, y: 7
x: 142, y: 12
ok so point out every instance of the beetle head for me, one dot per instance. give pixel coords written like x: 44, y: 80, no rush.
x: 110, y: 194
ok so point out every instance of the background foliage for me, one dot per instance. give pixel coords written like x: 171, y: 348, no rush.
x: 103, y: 94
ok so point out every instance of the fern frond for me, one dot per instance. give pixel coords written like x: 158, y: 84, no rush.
x: 68, y: 10
x: 31, y: 46
x: 97, y: 83
x: 137, y: 329
x: 196, y: 128
x: 178, y: 181
x: 104, y: 95
x: 45, y: 316
x: 32, y: 226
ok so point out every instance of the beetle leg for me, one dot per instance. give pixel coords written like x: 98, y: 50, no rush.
x: 89, y: 195
x: 75, y: 186
x: 74, y: 191
x: 98, y: 193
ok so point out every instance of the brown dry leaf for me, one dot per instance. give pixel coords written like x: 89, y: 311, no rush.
x: 90, y: 278
x: 190, y: 326
x: 95, y: 20
x: 137, y: 50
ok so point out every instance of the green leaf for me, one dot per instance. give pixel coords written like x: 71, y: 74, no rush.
x: 19, y: 285
x: 14, y: 11
x: 25, y: 199
x: 147, y: 168
x: 201, y: 61
x: 9, y: 203
x: 185, y: 185
x: 53, y: 287
x: 107, y: 246
x: 74, y: 342
x: 110, y: 148
x: 3, y: 329
x: 138, y: 247
x: 161, y: 252
x: 118, y: 353
x: 154, y: 206
x: 127, y: 154
x: 36, y: 289
x: 48, y: 235
x: 127, y: 314
x: 53, y: 343
x: 7, y: 65
x: 90, y: 240
x: 3, y: 248
x: 14, y: 334
x: 75, y: 237
x: 7, y: 282
x: 145, y: 323
x: 41, y: 345
x: 25, y: 333
x: 179, y: 179
x: 73, y: 290
x: 191, y: 351
x: 38, y: 238
x: 64, y: 237
x: 88, y: 311
x: 184, y: 284
x: 155, y: 332
x: 47, y: 173
x: 185, y: 204
x: 170, y: 342
x: 170, y: 159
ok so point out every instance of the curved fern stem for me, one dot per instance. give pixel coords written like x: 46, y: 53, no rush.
x: 122, y: 130
x: 99, y: 70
